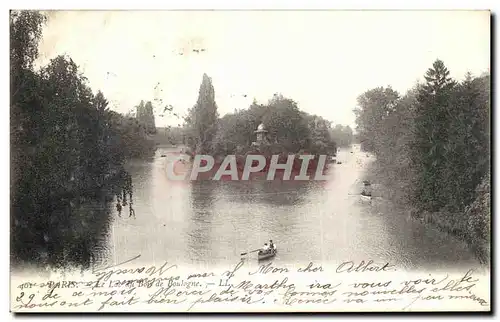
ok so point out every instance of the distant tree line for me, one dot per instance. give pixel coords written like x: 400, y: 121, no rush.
x: 145, y: 116
x: 342, y: 135
x: 67, y: 147
x: 169, y: 135
x: 433, y: 149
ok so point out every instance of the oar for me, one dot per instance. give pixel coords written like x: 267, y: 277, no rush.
x: 253, y: 251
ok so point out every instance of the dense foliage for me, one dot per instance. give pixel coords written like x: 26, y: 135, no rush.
x: 201, y: 122
x: 289, y: 129
x: 433, y: 149
x: 169, y: 136
x: 145, y: 116
x: 342, y: 135
x: 67, y: 152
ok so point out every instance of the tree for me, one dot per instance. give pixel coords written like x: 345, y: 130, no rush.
x: 202, y: 119
x: 286, y: 124
x: 466, y: 150
x: 289, y: 129
x: 478, y: 219
x: 146, y: 117
x: 25, y: 33
x: 374, y: 106
x: 432, y: 124
x: 235, y: 132
x: 321, y: 140
x: 342, y: 135
x: 66, y: 151
x: 432, y: 148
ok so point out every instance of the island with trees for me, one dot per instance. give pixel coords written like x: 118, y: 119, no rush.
x: 285, y: 128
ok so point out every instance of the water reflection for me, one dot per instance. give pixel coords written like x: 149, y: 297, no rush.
x: 200, y: 220
x: 213, y: 222
x: 275, y: 193
x: 241, y: 215
x: 69, y: 230
x: 414, y: 245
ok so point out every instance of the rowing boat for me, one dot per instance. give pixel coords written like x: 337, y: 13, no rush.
x: 366, y: 194
x: 268, y: 253
x: 364, y: 197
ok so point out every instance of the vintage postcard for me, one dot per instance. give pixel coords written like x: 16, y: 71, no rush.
x: 250, y: 161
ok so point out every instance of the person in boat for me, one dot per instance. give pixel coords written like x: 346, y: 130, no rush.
x: 367, y: 189
x: 265, y: 248
x: 271, y: 245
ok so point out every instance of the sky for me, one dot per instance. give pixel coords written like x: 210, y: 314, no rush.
x: 322, y: 59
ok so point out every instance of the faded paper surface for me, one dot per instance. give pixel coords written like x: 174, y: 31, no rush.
x: 398, y: 222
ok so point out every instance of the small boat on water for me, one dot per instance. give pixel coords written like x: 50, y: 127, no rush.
x: 271, y: 252
x: 365, y: 197
x: 366, y: 194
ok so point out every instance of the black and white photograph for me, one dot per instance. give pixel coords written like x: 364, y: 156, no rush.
x: 250, y: 160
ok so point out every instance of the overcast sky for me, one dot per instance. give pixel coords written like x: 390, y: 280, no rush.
x: 321, y: 59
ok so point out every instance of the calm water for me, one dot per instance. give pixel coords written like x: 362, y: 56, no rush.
x: 210, y: 222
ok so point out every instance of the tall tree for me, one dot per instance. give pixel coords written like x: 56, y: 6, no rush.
x: 466, y: 151
x: 145, y: 115
x: 202, y: 119
x: 25, y: 33
x: 432, y: 124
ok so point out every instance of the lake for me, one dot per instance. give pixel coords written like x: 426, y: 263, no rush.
x: 212, y: 222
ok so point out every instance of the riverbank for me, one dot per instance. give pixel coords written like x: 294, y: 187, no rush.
x: 471, y: 227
